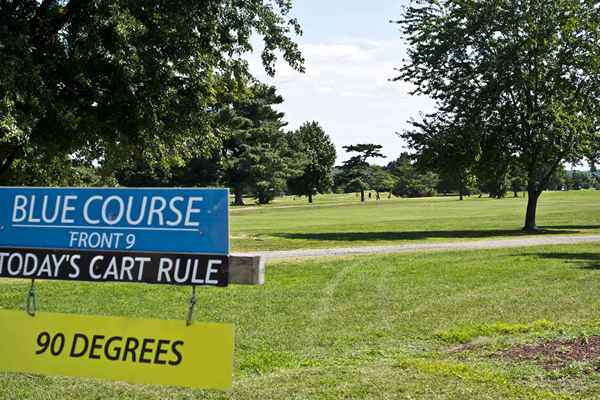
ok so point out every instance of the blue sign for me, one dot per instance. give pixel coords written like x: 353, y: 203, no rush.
x: 146, y: 220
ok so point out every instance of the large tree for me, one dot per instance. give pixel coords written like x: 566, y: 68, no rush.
x: 525, y: 71
x: 256, y: 156
x: 112, y: 80
x: 317, y: 152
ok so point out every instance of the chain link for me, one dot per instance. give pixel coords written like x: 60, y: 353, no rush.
x: 31, y: 300
x: 193, y: 302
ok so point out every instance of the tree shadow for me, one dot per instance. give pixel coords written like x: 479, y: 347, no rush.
x: 589, y: 261
x: 552, y: 227
x: 421, y: 235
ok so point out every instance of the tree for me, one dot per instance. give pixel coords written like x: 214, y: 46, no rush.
x: 381, y: 180
x: 315, y: 147
x: 357, y: 168
x: 518, y: 180
x: 558, y: 180
x: 256, y: 156
x: 410, y: 182
x: 577, y: 180
x: 112, y: 81
x: 525, y: 71
x: 492, y: 172
x: 447, y: 145
x: 358, y: 185
x: 494, y: 182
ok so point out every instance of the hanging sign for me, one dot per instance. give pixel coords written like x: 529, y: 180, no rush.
x: 132, y: 220
x: 91, y: 266
x: 123, y: 349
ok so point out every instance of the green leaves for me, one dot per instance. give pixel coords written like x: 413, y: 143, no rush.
x: 135, y: 81
x: 515, y: 81
x: 316, y: 155
x: 256, y: 156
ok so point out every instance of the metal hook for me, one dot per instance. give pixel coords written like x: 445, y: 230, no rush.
x: 31, y: 300
x: 193, y: 301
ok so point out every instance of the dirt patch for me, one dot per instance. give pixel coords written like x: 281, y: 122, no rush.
x: 556, y: 354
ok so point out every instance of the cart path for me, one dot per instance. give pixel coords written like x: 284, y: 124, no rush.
x: 416, y: 247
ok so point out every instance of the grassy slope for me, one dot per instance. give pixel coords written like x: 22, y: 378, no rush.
x: 371, y: 327
x: 341, y: 221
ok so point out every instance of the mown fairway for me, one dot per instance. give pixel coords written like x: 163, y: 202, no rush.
x: 342, y: 221
x: 413, y: 326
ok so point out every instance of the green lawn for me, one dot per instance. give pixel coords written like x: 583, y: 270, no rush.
x: 369, y: 327
x: 342, y: 221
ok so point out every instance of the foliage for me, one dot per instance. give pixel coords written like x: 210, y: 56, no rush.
x: 357, y: 170
x: 315, y: 147
x: 521, y: 72
x: 410, y: 182
x: 357, y: 185
x: 517, y: 184
x: 446, y: 147
x: 381, y: 180
x: 577, y: 180
x: 111, y: 81
x: 558, y: 179
x: 256, y: 155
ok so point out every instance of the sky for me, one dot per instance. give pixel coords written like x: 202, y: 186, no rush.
x: 351, y: 51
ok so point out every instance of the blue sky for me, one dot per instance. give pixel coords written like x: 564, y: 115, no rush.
x: 351, y: 51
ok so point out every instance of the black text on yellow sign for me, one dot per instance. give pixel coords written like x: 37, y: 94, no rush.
x: 131, y: 350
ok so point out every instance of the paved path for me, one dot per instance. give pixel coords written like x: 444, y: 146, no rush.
x: 403, y: 248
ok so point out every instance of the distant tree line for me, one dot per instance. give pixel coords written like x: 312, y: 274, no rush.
x: 407, y: 177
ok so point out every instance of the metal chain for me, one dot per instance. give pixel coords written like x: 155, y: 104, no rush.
x: 31, y: 300
x: 193, y: 301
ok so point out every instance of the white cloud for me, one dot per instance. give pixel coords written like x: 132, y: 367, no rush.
x: 337, y: 52
x: 347, y: 88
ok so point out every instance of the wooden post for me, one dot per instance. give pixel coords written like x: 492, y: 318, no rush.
x: 246, y: 269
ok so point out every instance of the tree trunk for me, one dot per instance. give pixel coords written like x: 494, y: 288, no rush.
x: 239, y: 196
x: 516, y: 194
x: 389, y: 195
x: 377, y: 196
x: 532, y: 201
x: 310, y: 197
x: 461, y: 196
x: 362, y: 196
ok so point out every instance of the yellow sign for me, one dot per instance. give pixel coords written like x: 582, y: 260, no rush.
x: 131, y: 350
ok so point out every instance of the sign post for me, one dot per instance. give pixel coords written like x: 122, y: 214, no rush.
x: 153, y: 236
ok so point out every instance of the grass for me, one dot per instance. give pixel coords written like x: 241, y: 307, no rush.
x: 369, y: 327
x: 468, y: 333
x: 342, y: 221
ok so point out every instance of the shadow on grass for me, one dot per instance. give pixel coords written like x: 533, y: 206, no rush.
x: 570, y: 227
x: 582, y: 260
x: 422, y: 235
